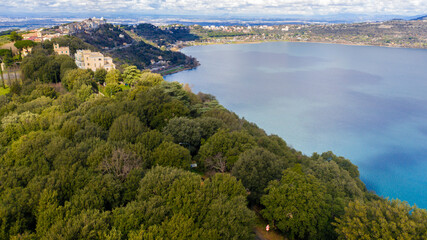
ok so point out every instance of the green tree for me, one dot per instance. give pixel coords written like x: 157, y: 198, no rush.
x: 340, y: 185
x: 88, y: 224
x: 152, y: 139
x: 297, y: 205
x: 21, y: 44
x: 84, y: 92
x: 131, y: 75
x: 48, y: 211
x: 256, y: 168
x: 171, y: 154
x: 186, y: 132
x: 150, y: 79
x: 209, y: 126
x: 217, y: 207
x: 66, y: 63
x: 75, y: 78
x: 113, y: 77
x: 155, y: 107
x: 381, y: 219
x: 102, y: 115
x: 127, y: 127
x: 177, y: 227
x: 14, y: 36
x: 111, y: 89
x: 6, y: 58
x: 100, y: 75
x: 226, y: 145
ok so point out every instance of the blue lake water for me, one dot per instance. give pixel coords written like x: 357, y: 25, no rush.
x: 368, y: 104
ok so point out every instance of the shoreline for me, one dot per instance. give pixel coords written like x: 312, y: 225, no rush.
x: 322, y: 42
x: 182, y: 68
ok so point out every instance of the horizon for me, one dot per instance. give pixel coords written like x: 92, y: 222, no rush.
x: 302, y: 9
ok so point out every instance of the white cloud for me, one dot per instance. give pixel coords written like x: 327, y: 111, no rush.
x: 408, y: 7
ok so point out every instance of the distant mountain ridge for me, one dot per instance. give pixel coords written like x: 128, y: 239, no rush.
x: 424, y: 17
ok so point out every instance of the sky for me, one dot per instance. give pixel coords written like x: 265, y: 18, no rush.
x: 212, y: 7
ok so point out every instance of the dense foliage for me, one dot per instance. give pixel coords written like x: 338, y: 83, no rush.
x: 105, y: 36
x: 43, y: 66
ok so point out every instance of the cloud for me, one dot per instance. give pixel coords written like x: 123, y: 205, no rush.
x: 282, y: 7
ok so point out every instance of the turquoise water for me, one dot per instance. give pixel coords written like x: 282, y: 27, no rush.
x: 368, y: 104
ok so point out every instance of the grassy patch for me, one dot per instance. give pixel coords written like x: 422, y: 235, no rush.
x: 4, y: 91
x: 124, y: 87
x: 172, y: 70
x: 4, y: 39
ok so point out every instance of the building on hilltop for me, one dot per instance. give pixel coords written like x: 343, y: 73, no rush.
x: 88, y: 24
x: 38, y: 36
x: 61, y: 50
x: 86, y: 59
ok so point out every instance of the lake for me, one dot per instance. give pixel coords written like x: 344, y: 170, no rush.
x: 368, y: 104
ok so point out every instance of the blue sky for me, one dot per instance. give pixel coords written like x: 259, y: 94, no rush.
x: 212, y: 7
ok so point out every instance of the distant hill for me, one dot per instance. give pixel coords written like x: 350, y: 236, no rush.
x: 420, y: 18
x: 106, y: 36
x: 166, y: 36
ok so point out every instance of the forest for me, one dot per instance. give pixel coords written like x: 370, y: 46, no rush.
x: 125, y: 154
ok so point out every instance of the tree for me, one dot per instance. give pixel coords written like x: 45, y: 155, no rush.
x: 150, y: 79
x: 100, y: 75
x: 127, y: 127
x: 256, y: 168
x: 6, y: 58
x: 175, y: 228
x: 113, y: 77
x: 21, y: 44
x: 14, y: 36
x: 381, y: 219
x: 229, y: 145
x: 214, y: 209
x: 111, y: 89
x: 84, y: 92
x: 186, y: 132
x: 121, y: 163
x: 209, y: 126
x: 75, y: 78
x: 131, y: 75
x: 66, y: 63
x: 171, y: 154
x: 340, y: 185
x: 297, y: 205
x: 152, y: 139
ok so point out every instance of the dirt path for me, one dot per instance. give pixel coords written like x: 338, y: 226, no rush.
x: 8, y: 46
x: 259, y: 236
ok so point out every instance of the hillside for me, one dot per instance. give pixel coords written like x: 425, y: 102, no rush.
x: 162, y: 37
x: 114, y: 41
x: 106, y: 36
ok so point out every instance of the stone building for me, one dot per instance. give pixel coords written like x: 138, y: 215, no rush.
x: 86, y: 59
x: 61, y: 50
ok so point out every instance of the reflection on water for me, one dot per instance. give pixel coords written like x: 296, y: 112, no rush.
x: 368, y: 104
